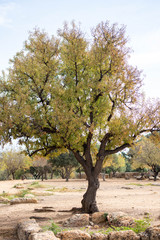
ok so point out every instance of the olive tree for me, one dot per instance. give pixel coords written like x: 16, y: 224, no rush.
x: 146, y: 154
x: 71, y: 92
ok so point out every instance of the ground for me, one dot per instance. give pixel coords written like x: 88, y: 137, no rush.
x: 136, y: 198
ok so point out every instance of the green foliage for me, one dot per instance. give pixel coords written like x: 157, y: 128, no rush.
x: 60, y: 89
x: 64, y: 164
x: 140, y: 226
x: 22, y: 193
x: 115, y: 163
x: 54, y: 228
x: 145, y: 154
x: 14, y: 163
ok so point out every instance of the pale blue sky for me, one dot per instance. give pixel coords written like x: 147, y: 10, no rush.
x: 141, y: 17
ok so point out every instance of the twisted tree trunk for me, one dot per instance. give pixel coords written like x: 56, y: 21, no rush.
x: 89, y: 204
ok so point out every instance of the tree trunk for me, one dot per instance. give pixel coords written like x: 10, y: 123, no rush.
x: 45, y: 174
x: 13, y: 175
x: 89, y: 204
x: 155, y: 176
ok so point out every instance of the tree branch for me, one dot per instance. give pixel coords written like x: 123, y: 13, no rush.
x: 116, y: 150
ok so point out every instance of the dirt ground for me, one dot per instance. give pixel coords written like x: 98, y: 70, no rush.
x: 136, y: 198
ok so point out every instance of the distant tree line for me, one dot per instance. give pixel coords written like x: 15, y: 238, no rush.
x: 142, y: 157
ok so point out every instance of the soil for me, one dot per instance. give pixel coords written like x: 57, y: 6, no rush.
x: 136, y: 198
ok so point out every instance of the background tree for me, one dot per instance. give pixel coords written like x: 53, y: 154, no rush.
x: 71, y: 92
x: 12, y: 161
x: 146, y: 154
x: 64, y: 164
x: 115, y: 163
x: 40, y: 167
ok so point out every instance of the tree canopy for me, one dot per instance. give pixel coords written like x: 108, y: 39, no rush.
x: 12, y: 161
x: 64, y: 164
x: 146, y: 154
x: 69, y: 92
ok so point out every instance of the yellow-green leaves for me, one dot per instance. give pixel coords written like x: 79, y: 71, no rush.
x: 60, y: 90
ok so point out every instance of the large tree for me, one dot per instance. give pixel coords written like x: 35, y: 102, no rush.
x: 74, y: 91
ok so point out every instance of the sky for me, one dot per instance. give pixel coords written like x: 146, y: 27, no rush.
x: 141, y: 18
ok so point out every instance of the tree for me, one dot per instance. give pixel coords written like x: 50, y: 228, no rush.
x: 13, y: 161
x: 115, y: 163
x: 70, y: 92
x: 64, y: 164
x: 40, y: 167
x: 146, y: 154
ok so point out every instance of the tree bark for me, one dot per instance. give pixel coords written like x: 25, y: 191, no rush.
x: 89, y: 204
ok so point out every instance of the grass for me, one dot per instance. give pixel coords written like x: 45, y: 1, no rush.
x: 36, y: 184
x: 53, y: 227
x: 140, y: 226
x: 63, y: 189
x: 20, y: 194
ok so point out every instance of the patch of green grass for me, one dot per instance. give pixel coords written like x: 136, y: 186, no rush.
x: 63, y: 189
x: 5, y: 195
x: 22, y: 193
x: 42, y: 194
x: 53, y: 227
x: 37, y: 185
x: 140, y: 226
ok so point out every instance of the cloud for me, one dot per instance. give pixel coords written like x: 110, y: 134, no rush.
x: 5, y: 13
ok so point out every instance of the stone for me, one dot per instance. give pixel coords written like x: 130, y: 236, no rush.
x: 77, y: 220
x: 143, y: 236
x: 74, y: 235
x: 48, y: 235
x: 120, y: 219
x: 27, y: 227
x: 23, y: 200
x: 153, y: 232
x: 123, y: 235
x: 98, y: 217
x: 4, y: 200
x: 99, y: 236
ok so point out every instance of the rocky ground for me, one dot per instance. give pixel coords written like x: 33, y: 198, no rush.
x: 135, y: 198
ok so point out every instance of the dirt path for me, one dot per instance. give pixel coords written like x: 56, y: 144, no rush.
x: 136, y: 198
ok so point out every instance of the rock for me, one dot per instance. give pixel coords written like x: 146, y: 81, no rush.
x: 4, y: 200
x: 123, y: 235
x: 25, y: 228
x: 151, y: 178
x: 120, y: 219
x: 19, y: 187
x: 8, y: 232
x: 99, y: 236
x: 153, y: 233
x: 44, y: 209
x: 74, y: 235
x: 77, y: 220
x: 23, y: 200
x: 98, y: 217
x: 139, y: 178
x: 48, y: 235
x: 143, y: 236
